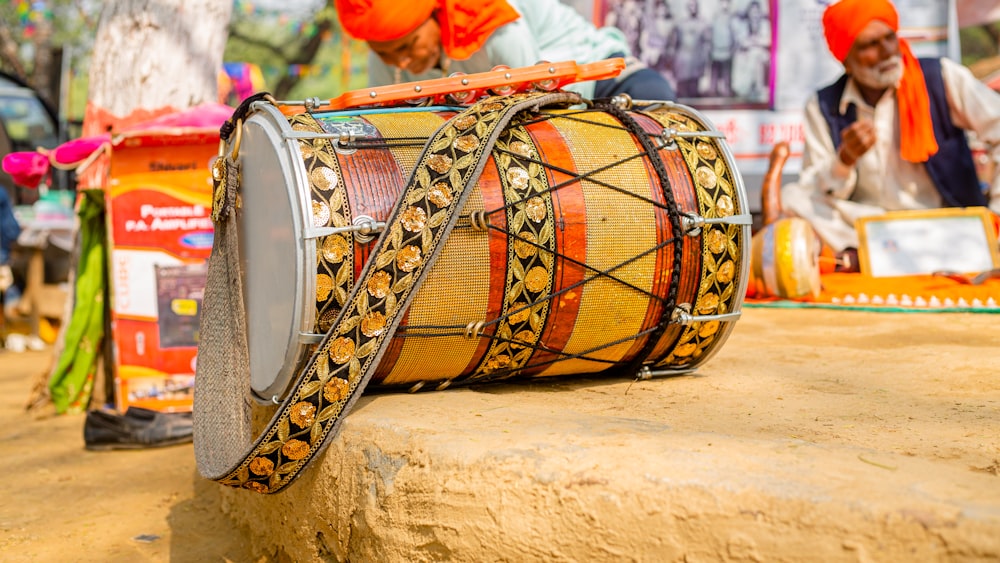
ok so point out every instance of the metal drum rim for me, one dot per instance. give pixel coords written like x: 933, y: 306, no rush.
x: 273, y: 123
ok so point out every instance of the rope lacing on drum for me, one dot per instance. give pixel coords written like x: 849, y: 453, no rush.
x: 650, y: 150
x: 675, y: 227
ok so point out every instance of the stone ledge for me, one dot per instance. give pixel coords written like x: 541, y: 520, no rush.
x: 697, y: 468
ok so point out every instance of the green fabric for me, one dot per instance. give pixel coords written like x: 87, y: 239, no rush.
x: 72, y: 381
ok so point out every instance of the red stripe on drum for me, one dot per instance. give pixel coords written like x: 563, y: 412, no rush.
x: 430, y: 344
x: 528, y: 282
x: 681, y: 188
x: 376, y: 176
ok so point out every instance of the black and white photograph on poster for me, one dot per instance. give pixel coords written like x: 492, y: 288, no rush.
x: 179, y: 294
x: 716, y: 53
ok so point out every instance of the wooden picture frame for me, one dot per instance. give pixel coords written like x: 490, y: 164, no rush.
x: 904, y: 243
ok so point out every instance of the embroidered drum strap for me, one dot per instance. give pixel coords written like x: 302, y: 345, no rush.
x: 345, y: 360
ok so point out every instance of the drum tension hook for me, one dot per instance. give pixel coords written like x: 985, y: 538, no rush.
x: 682, y: 316
x: 622, y: 101
x: 645, y: 373
x: 692, y: 224
x: 366, y: 228
x: 312, y: 104
x: 344, y: 143
x: 363, y: 227
x: 669, y: 135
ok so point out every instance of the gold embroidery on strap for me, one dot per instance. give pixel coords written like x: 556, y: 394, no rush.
x: 531, y: 269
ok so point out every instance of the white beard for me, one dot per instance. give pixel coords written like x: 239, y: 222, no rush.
x: 884, y: 75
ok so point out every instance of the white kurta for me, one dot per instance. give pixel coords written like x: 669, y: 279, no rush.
x: 831, y: 195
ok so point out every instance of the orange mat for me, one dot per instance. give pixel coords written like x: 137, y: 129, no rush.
x: 909, y: 293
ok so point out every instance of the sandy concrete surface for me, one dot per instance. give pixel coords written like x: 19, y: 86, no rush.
x: 813, y: 435
x: 60, y: 502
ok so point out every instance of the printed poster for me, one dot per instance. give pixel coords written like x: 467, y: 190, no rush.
x: 753, y: 85
x: 715, y: 53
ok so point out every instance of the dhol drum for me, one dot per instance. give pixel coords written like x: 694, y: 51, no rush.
x: 419, y: 247
x: 785, y: 260
x: 565, y: 259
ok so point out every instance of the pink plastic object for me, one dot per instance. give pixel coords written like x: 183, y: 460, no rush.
x: 77, y: 150
x: 26, y: 168
x: 208, y: 115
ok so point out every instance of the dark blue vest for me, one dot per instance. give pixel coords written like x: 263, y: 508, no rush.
x: 951, y: 168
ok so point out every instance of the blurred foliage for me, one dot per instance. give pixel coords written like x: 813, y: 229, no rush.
x: 299, y: 59
x: 301, y: 55
x: 60, y: 27
x: 980, y: 42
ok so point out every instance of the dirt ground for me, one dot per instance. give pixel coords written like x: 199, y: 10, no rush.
x: 916, y: 385
x: 64, y: 503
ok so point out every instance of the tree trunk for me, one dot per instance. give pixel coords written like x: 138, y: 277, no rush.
x: 153, y: 57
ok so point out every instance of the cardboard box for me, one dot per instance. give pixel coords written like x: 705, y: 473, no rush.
x: 159, y: 196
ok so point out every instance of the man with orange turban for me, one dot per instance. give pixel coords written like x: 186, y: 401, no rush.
x: 890, y: 134
x: 424, y: 39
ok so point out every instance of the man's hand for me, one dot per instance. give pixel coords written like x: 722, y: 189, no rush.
x: 856, y: 140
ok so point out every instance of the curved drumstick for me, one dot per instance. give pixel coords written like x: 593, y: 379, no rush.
x: 552, y: 75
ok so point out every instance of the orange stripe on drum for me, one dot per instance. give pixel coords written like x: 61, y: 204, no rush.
x: 530, y: 262
x: 375, y: 176
x: 455, y: 290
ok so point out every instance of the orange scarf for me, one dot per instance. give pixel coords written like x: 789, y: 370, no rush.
x: 382, y: 20
x: 465, y: 24
x: 842, y: 21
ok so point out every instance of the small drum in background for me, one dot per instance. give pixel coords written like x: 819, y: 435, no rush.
x: 785, y: 260
x: 570, y: 257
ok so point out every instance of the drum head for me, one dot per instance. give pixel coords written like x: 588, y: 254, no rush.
x: 272, y: 252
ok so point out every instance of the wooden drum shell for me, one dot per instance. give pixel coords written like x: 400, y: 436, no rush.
x: 482, y: 312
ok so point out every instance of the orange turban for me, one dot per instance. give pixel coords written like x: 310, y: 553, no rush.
x: 842, y: 21
x: 465, y: 26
